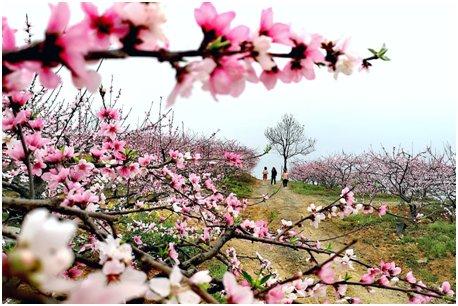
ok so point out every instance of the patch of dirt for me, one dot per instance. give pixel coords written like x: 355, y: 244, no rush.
x: 291, y: 206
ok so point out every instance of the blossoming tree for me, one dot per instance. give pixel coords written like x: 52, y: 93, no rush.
x: 107, y: 217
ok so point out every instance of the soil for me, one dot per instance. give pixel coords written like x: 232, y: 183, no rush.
x: 289, y: 205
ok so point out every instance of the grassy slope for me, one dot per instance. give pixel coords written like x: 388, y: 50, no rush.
x: 426, y: 249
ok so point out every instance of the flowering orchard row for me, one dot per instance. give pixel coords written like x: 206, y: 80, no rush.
x: 108, y: 213
x: 422, y: 180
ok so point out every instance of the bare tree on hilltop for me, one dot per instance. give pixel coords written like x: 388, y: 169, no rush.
x: 288, y: 138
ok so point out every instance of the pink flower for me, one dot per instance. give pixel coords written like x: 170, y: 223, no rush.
x: 269, y: 77
x: 37, y: 124
x: 228, y: 78
x: 16, y: 151
x: 210, y: 21
x: 236, y: 294
x: 186, y: 76
x: 173, y: 253
x: 446, y: 289
x: 279, y: 32
x: 229, y: 219
x: 367, y: 279
x: 389, y: 268
x: 326, y: 274
x: 74, y: 272
x: 37, y: 167
x: 410, y: 278
x: 382, y: 210
x: 307, y: 54
x: 384, y: 281
x: 72, y: 45
x: 109, y: 130
x: 275, y: 295
x: 35, y: 141
x: 138, y: 240
x: 20, y: 98
x: 233, y: 158
x: 9, y: 41
x: 108, y: 113
x: 145, y: 21
x: 104, y: 25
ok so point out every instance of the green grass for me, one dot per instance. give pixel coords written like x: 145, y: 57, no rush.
x: 240, y: 184
x: 217, y: 269
x: 438, y: 239
x: 361, y: 220
x: 313, y: 190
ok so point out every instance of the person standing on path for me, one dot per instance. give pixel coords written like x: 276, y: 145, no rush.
x: 273, y: 176
x: 284, y: 177
x: 265, y: 172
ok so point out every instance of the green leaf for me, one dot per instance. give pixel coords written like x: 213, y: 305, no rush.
x: 265, y: 279
x: 373, y: 51
x: 329, y: 247
x: 347, y: 277
x: 248, y: 278
x: 218, y: 44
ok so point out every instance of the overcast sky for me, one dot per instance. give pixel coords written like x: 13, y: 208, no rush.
x: 409, y: 101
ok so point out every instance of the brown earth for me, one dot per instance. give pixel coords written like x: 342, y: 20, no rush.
x: 291, y: 206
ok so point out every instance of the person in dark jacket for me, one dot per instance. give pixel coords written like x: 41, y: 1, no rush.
x: 273, y: 176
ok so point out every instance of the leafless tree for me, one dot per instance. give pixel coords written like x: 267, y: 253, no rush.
x: 288, y: 138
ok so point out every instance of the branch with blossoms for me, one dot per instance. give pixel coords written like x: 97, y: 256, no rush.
x: 226, y: 53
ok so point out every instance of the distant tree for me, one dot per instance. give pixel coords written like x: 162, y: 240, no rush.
x: 288, y: 138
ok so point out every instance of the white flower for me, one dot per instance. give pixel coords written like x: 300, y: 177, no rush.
x: 201, y: 277
x: 261, y: 45
x: 345, y: 65
x: 286, y: 223
x: 162, y: 287
x: 111, y: 249
x: 46, y: 238
x: 96, y: 290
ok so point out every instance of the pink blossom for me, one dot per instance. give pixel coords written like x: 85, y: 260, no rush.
x: 269, y: 77
x: 229, y: 219
x: 137, y: 239
x: 109, y: 130
x: 145, y: 160
x: 228, y: 78
x: 105, y: 25
x: 326, y: 274
x: 145, y: 20
x: 446, y: 289
x: 20, y: 98
x: 279, y: 32
x: 37, y: 167
x: 173, y: 253
x: 233, y: 158
x: 72, y: 46
x: 107, y: 113
x: 382, y: 210
x: 367, y: 279
x: 35, y: 141
x: 9, y: 41
x: 410, y: 278
x: 16, y: 151
x: 236, y: 294
x: 275, y: 295
x: 307, y: 55
x: 210, y: 21
x: 37, y: 124
x: 188, y: 75
x: 74, y: 272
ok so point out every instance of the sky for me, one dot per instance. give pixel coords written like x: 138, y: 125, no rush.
x: 409, y: 101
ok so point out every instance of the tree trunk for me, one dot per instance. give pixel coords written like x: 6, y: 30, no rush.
x: 284, y: 163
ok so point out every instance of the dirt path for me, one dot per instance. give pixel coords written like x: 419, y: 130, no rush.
x: 289, y: 205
